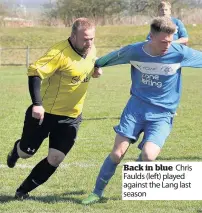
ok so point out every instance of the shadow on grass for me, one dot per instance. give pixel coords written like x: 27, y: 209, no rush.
x: 6, y: 198
x: 67, y: 198
x: 53, y: 198
x: 64, y: 197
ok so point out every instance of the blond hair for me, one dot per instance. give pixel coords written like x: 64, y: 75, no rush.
x: 82, y: 23
x: 162, y: 4
x: 162, y: 24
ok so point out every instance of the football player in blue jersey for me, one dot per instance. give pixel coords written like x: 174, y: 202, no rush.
x: 180, y: 35
x: 155, y: 94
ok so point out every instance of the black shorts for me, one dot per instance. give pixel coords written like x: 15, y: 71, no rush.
x: 62, y: 132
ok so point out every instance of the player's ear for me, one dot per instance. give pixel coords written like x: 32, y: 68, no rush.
x: 73, y: 36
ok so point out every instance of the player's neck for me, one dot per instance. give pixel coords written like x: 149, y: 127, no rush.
x: 75, y: 49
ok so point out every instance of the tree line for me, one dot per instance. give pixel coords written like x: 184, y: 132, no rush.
x: 103, y: 11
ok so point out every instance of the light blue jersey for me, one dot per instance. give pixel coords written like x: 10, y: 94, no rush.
x: 155, y: 79
x: 180, y: 32
x: 155, y: 90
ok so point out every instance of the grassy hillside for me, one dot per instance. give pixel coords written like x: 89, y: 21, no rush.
x: 107, y: 38
x: 44, y: 37
x: 105, y: 35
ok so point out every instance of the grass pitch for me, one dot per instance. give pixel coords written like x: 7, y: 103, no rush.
x: 75, y: 179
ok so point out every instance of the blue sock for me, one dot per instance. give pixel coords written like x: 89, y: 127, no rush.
x: 106, y: 172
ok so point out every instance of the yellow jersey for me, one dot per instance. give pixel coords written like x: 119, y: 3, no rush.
x: 65, y: 77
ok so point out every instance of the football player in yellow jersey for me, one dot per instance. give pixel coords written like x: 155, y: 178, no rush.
x: 58, y: 83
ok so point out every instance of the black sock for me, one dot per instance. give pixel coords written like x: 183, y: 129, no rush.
x: 39, y: 175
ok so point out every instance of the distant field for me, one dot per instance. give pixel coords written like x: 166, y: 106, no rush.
x: 107, y: 38
x: 75, y: 178
x: 105, y: 35
x: 44, y: 37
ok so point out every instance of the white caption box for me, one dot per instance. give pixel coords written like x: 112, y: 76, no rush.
x: 162, y: 181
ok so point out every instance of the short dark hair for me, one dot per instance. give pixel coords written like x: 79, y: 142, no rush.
x: 162, y: 24
x: 162, y: 4
x: 82, y: 23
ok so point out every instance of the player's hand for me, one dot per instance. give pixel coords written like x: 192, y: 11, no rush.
x: 38, y: 113
x: 97, y: 72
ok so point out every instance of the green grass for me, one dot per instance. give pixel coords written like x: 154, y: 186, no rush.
x: 107, y: 38
x: 105, y: 35
x: 45, y: 37
x: 106, y: 98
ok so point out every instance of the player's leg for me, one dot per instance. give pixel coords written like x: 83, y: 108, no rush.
x: 150, y: 151
x: 156, y: 133
x: 61, y: 139
x: 108, y: 168
x: 127, y: 129
x: 32, y: 136
x: 39, y: 174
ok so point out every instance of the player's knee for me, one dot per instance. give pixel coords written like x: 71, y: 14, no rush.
x: 56, y: 159
x: 23, y: 154
x: 150, y: 151
x: 117, y: 156
x: 146, y: 156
